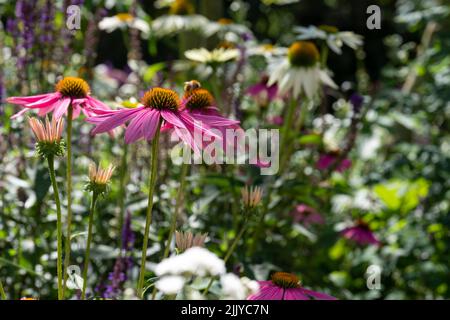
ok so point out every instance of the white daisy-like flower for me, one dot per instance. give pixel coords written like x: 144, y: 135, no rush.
x: 181, y: 18
x: 266, y: 50
x: 334, y: 38
x: 173, y: 24
x: 224, y: 27
x: 299, y: 72
x: 195, y: 261
x: 170, y: 284
x: 235, y: 288
x: 124, y: 20
x: 219, y: 55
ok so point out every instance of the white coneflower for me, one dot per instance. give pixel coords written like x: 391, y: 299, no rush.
x: 299, y: 72
x: 334, y: 38
x: 219, y: 55
x: 251, y: 197
x: 266, y: 50
x: 123, y: 20
x: 181, y: 17
x: 227, y: 29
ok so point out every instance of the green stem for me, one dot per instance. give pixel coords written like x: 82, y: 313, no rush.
x: 284, y: 145
x: 289, y: 145
x: 229, y: 253
x: 122, y: 192
x: 151, y: 187
x: 69, y: 196
x: 173, y: 223
x: 51, y: 169
x: 324, y: 55
x: 2, y: 291
x: 88, y: 244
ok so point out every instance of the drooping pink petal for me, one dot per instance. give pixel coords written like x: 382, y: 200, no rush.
x: 295, y: 294
x: 115, y: 119
x: 150, y: 124
x: 44, y: 102
x: 267, y: 291
x: 27, y: 100
x: 173, y: 119
x: 96, y: 104
x: 214, y: 121
x: 18, y: 114
x: 61, y: 108
x: 135, y: 130
x: 318, y: 295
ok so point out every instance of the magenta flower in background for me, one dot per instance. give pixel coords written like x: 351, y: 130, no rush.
x: 306, y: 215
x: 68, y: 91
x: 276, y: 120
x: 327, y: 160
x: 158, y: 105
x: 361, y: 234
x: 286, y: 286
x: 262, y: 92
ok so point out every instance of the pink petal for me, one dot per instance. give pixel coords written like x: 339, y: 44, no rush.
x: 45, y: 102
x: 115, y: 119
x: 295, y: 294
x: 151, y: 124
x: 61, y: 108
x: 30, y: 99
x: 318, y: 295
x: 135, y: 131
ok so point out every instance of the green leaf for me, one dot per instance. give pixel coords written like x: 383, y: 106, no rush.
x: 152, y: 70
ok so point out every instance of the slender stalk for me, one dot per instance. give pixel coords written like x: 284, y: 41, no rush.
x: 151, y: 187
x: 173, y: 224
x: 51, y: 169
x: 88, y: 243
x: 324, y: 55
x: 2, y: 291
x: 229, y: 253
x: 122, y: 191
x: 69, y: 196
x: 284, y: 145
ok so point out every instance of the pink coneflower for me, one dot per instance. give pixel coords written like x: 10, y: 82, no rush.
x: 158, y: 104
x: 328, y: 159
x: 201, y: 105
x: 68, y: 91
x: 361, y: 234
x: 262, y: 92
x: 307, y: 216
x: 286, y: 286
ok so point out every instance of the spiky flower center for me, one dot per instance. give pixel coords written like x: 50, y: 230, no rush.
x: 124, y: 17
x: 198, y: 99
x: 303, y: 54
x: 73, y: 87
x: 182, y: 8
x: 362, y: 224
x: 160, y: 98
x: 329, y: 29
x: 286, y: 280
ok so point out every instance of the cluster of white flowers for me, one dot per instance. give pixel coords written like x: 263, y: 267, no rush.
x: 193, y: 262
x: 235, y: 288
